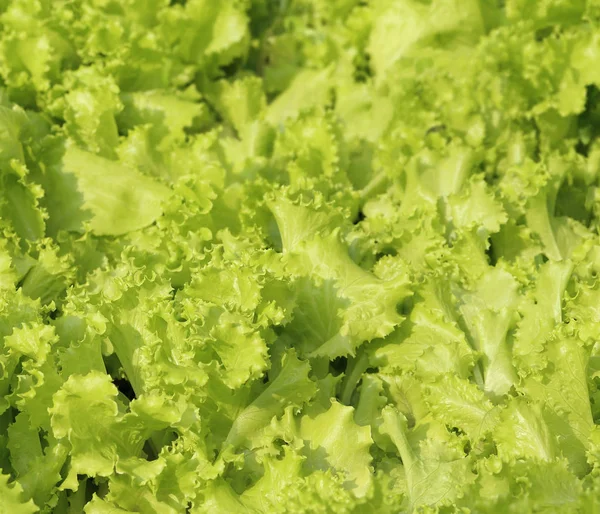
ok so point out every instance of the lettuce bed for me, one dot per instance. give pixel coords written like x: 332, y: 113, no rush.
x: 304, y: 256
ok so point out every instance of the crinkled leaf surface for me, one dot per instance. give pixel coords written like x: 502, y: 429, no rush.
x: 299, y: 257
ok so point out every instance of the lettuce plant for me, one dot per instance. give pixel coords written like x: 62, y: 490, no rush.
x: 299, y: 256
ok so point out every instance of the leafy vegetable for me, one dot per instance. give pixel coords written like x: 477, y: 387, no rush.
x: 307, y: 256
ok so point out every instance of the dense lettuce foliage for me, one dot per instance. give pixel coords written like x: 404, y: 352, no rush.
x: 299, y: 256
